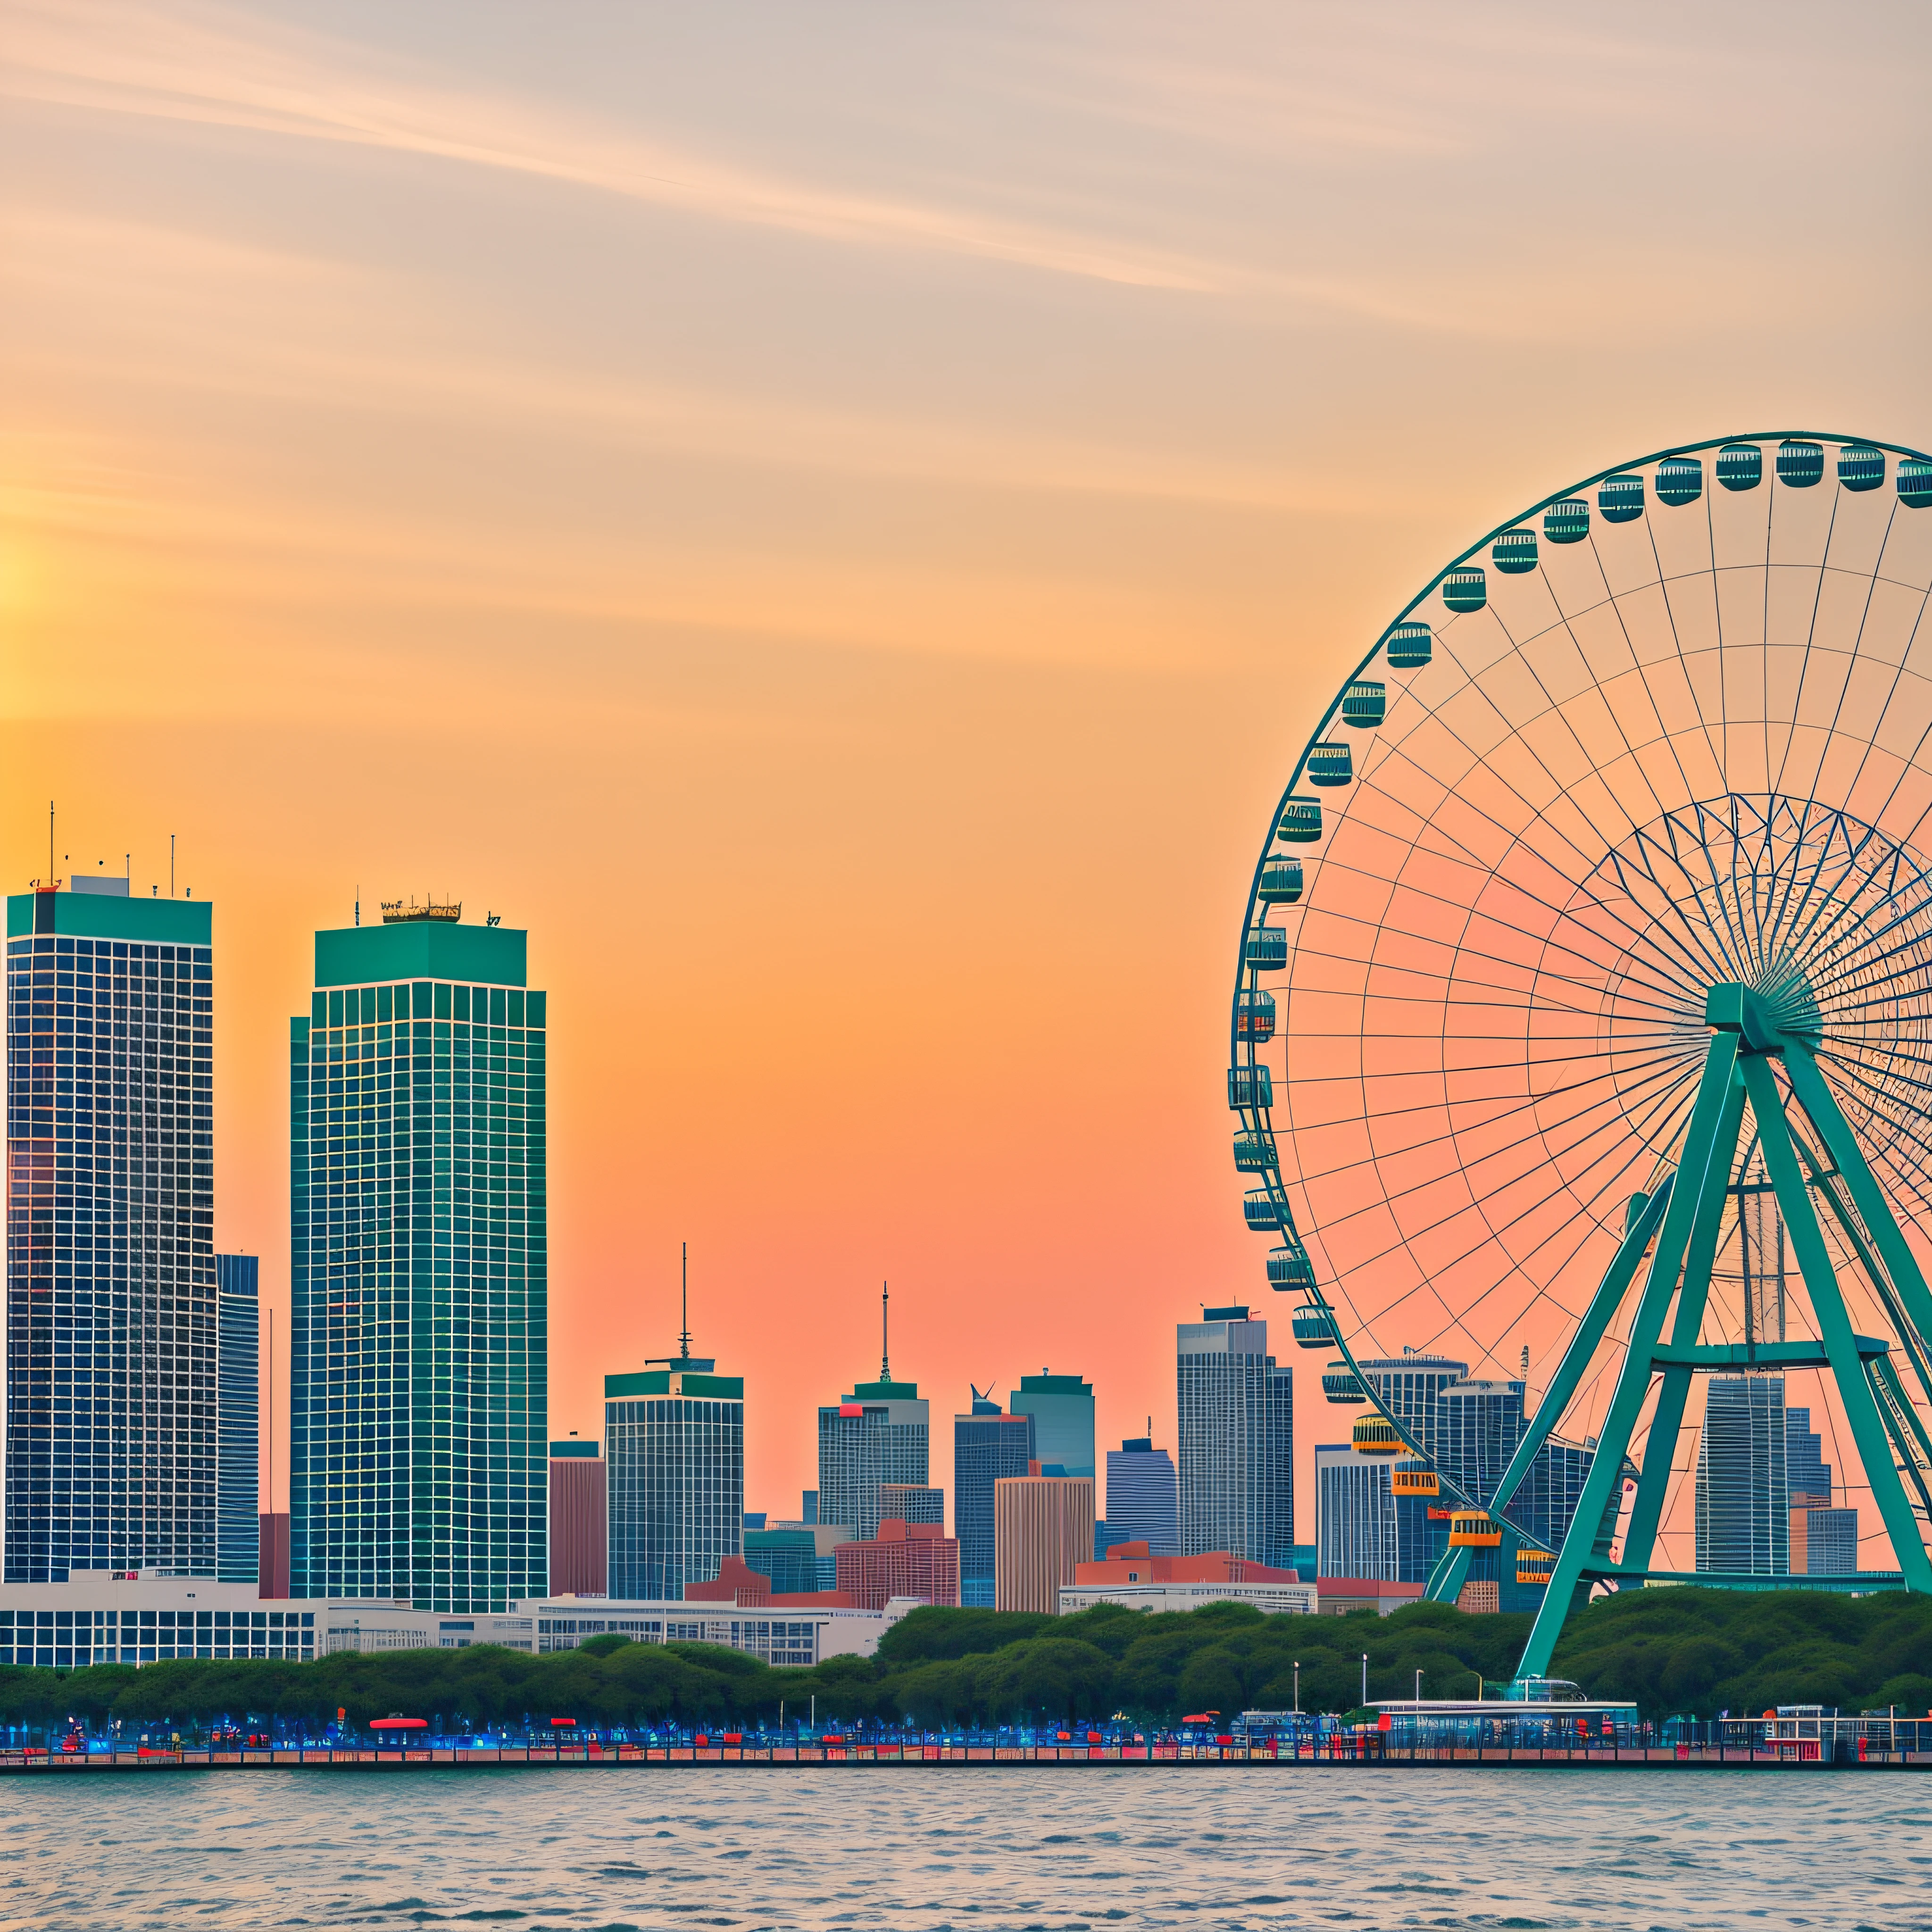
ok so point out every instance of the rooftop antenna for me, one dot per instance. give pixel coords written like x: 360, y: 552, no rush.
x: 885, y: 1331
x: 359, y: 905
x: 684, y: 1301
x: 171, y: 865
x: 51, y: 880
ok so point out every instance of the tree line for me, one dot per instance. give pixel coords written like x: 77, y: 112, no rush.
x: 1672, y: 1650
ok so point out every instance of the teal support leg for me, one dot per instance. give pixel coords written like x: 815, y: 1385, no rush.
x: 1666, y: 1419
x: 1835, y: 1325
x: 1583, y: 1345
x: 1893, y: 1409
x: 1446, y: 1579
x: 1807, y: 1084
x: 1707, y: 1115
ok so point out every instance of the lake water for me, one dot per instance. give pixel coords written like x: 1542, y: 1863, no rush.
x: 970, y: 1850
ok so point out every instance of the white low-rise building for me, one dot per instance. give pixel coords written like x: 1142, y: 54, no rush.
x: 1271, y: 1599
x: 798, y: 1635
x: 101, y: 1616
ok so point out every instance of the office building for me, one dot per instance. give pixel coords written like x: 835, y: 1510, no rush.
x: 879, y: 1434
x: 579, y: 1564
x: 1409, y: 1386
x: 1354, y: 1514
x: 1062, y: 1409
x: 1043, y: 1530
x: 787, y: 1553
x: 418, y: 1453
x: 1141, y: 1498
x: 674, y: 1440
x: 786, y: 1636
x: 987, y: 1445
x: 1824, y: 1542
x: 113, y: 1348
x: 904, y: 1559
x: 1478, y: 1425
x: 237, y: 1419
x: 1807, y: 1475
x: 912, y: 1502
x: 1235, y: 1483
x: 1743, y: 1505
x: 98, y: 1617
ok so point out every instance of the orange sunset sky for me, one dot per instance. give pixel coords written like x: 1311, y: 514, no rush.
x: 839, y: 518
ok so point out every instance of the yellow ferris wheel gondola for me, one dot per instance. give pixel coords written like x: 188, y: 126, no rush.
x: 1413, y: 1477
x: 1376, y: 1436
x: 1534, y: 1566
x: 1473, y: 1529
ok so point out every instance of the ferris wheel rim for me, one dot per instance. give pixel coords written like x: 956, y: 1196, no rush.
x: 1256, y: 1108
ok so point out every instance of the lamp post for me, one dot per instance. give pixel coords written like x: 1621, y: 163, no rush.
x: 1298, y: 1687
x: 1418, y: 1685
x: 1365, y: 1680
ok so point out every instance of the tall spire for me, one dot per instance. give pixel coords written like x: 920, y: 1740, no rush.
x: 684, y: 1301
x: 885, y: 1331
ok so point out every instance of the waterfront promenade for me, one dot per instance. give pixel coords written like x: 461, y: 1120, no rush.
x: 1365, y: 1749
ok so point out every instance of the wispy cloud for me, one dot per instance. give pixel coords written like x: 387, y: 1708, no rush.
x: 210, y: 67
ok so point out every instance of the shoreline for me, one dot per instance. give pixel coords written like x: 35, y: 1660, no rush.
x: 518, y: 1757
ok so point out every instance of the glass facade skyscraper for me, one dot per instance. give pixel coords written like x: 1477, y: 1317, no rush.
x: 1807, y: 1475
x: 987, y: 1445
x: 112, y: 1342
x: 1236, y: 1478
x: 419, y: 1465
x: 880, y: 1433
x: 1743, y: 1497
x: 1062, y: 1409
x: 1142, y: 1497
x: 674, y: 1443
x: 238, y: 1401
x: 1354, y: 1515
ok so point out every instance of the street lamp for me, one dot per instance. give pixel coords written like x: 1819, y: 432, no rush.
x: 1418, y: 1685
x: 1365, y: 1680
x: 1298, y: 1687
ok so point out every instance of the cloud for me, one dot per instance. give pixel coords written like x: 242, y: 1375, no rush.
x: 207, y: 67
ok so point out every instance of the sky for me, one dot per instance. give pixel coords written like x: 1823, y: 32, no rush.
x: 839, y: 520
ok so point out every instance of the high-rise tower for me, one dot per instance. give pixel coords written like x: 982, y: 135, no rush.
x: 112, y: 1343
x: 418, y: 1452
x: 674, y: 1443
x: 1062, y: 1409
x: 1236, y: 1440
x: 1743, y: 1493
x: 881, y: 1433
x: 987, y: 1445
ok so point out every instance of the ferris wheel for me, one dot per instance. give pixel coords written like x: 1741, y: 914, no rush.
x: 1581, y: 1031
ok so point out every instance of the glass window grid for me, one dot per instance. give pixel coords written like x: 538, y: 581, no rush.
x: 420, y: 1358
x: 111, y: 1347
x: 73, y: 1640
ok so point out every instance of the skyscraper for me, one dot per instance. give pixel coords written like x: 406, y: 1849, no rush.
x: 113, y: 1342
x: 1062, y: 1409
x: 880, y: 1433
x: 1141, y: 1499
x: 1743, y: 1496
x: 419, y: 1268
x: 987, y: 1445
x: 1807, y: 1474
x: 1043, y: 1530
x: 674, y: 1445
x: 1478, y: 1425
x: 1236, y: 1479
x: 1354, y: 1514
x: 237, y: 1405
x: 1409, y: 1387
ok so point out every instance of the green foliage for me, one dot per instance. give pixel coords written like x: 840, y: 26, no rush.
x: 1675, y: 1650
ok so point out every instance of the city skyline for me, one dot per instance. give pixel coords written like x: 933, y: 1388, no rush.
x: 973, y: 531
